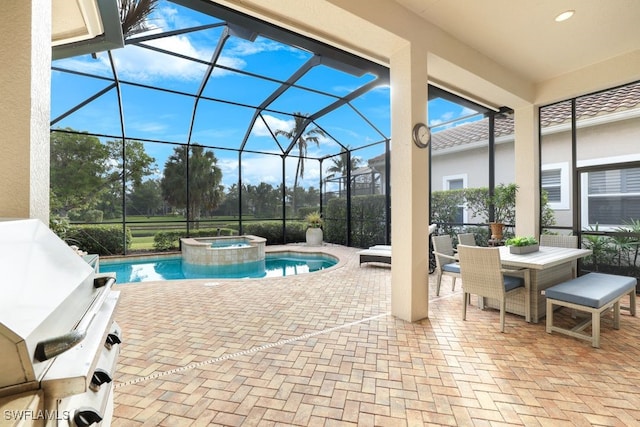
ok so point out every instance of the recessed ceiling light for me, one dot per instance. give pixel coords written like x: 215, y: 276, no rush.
x: 565, y: 15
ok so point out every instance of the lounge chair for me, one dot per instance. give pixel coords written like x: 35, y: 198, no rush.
x: 378, y: 253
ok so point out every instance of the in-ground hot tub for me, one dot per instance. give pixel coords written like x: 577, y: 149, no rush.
x: 207, y: 256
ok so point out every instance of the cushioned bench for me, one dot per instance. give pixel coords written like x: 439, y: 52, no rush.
x: 593, y: 293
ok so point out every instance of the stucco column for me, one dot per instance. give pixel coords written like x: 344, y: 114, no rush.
x: 409, y: 186
x: 25, y: 93
x: 527, y: 168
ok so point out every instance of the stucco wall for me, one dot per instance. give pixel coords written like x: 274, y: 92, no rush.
x: 25, y: 43
x: 596, y: 144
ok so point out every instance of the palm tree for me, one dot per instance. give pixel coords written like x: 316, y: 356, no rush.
x: 133, y: 15
x: 311, y: 135
x: 339, y: 166
x: 340, y: 163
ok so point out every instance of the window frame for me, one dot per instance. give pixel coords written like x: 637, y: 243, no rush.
x: 565, y: 200
x: 585, y: 195
x: 446, y: 181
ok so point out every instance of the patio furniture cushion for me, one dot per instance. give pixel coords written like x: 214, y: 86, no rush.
x: 511, y: 282
x: 453, y: 267
x: 594, y: 293
x: 381, y: 247
x: 592, y: 290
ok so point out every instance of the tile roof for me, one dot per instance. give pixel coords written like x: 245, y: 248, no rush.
x: 599, y: 104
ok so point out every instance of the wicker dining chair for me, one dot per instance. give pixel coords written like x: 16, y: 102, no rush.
x: 561, y: 241
x: 482, y: 274
x: 446, y: 262
x: 467, y: 239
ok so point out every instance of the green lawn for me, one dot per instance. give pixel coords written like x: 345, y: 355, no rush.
x: 142, y: 243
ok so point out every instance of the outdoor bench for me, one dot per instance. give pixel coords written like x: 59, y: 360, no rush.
x: 592, y: 293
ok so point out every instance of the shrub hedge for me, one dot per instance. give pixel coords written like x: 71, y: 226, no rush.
x: 99, y: 239
x: 170, y: 240
x: 270, y: 230
x: 367, y: 221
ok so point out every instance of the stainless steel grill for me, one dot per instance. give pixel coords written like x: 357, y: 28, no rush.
x: 58, y: 340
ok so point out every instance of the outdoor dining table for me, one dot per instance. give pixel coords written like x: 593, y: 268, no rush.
x: 549, y: 266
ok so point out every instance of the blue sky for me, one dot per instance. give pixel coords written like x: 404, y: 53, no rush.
x: 166, y: 116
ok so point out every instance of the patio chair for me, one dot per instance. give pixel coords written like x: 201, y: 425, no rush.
x: 446, y: 263
x: 467, y: 239
x: 561, y: 241
x: 483, y: 275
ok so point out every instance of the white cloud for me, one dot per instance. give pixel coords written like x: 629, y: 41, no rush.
x: 145, y: 65
x: 148, y: 65
x: 150, y: 127
x: 168, y: 17
x: 452, y: 115
x: 86, y: 64
x: 259, y: 129
x: 255, y: 169
x: 445, y: 117
x: 240, y: 47
x: 267, y: 168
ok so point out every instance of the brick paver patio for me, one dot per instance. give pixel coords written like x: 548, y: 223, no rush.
x: 322, y: 349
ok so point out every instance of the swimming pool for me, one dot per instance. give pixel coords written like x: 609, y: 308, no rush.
x: 172, y: 268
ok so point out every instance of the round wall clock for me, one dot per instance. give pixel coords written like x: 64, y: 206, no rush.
x: 421, y: 135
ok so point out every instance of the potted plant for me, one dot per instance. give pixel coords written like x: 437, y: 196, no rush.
x: 314, y: 229
x: 522, y: 245
x: 504, y: 204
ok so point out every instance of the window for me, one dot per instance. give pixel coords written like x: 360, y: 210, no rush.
x: 612, y: 197
x: 555, y: 181
x: 456, y: 182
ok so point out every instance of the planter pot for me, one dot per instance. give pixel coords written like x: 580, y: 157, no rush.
x: 524, y: 249
x: 314, y: 236
x: 496, y: 230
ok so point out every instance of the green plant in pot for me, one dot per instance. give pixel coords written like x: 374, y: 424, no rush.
x: 504, y: 205
x: 314, y: 234
x: 522, y: 244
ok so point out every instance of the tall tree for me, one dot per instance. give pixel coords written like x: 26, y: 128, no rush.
x: 339, y: 163
x: 145, y: 198
x: 79, y: 171
x: 138, y: 163
x: 229, y: 205
x: 87, y: 174
x: 263, y: 199
x: 307, y: 135
x: 205, y: 191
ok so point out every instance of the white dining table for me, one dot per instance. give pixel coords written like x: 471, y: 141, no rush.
x: 545, y: 257
x: 548, y: 266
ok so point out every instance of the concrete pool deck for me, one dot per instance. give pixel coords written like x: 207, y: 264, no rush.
x: 323, y: 349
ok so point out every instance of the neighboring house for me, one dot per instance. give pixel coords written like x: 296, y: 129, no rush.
x: 607, y: 157
x: 364, y: 180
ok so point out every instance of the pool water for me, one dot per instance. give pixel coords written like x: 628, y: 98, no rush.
x: 230, y: 243
x: 172, y: 268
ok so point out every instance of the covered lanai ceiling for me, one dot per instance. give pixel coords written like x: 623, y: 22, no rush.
x: 524, y: 37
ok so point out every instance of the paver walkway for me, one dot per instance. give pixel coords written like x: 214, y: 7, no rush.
x: 322, y: 349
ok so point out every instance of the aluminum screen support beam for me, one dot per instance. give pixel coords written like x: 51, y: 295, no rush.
x: 300, y: 72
